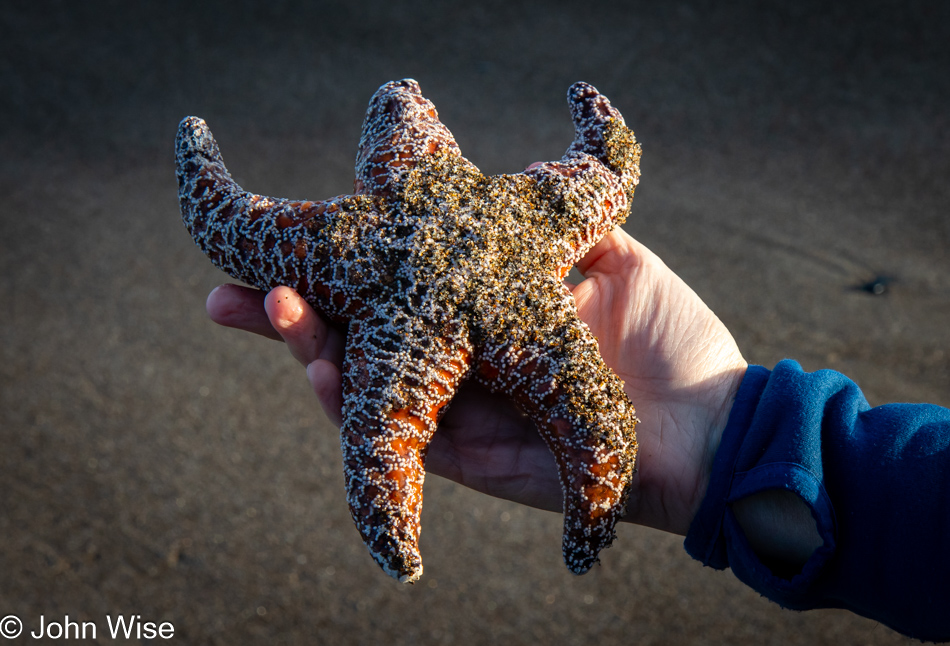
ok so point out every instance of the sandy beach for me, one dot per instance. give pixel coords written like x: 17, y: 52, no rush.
x: 795, y: 174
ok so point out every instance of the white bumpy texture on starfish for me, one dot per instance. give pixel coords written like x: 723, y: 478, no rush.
x: 441, y: 274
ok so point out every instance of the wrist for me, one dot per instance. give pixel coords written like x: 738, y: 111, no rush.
x: 720, y: 410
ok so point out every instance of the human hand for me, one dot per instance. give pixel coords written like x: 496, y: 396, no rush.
x: 680, y: 366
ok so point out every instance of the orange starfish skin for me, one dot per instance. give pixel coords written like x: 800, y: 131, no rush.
x: 442, y: 274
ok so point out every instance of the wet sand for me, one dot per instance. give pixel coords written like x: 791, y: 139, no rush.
x: 155, y: 464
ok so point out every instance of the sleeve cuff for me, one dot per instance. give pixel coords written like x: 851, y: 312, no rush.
x: 715, y: 537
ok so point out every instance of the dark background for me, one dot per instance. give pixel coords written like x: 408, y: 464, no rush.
x: 152, y: 463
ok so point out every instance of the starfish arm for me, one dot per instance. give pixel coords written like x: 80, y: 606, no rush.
x: 595, y: 122
x: 397, y: 379
x: 400, y: 127
x: 595, y: 180
x: 584, y: 416
x: 584, y: 201
x: 263, y: 241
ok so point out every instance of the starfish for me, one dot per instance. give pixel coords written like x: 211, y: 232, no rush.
x: 441, y: 274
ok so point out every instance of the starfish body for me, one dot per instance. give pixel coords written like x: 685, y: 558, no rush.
x: 441, y: 274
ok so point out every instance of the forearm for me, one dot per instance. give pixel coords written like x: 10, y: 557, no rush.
x: 873, y: 485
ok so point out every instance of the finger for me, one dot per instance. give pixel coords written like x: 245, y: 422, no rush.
x: 313, y: 343
x: 298, y: 324
x: 242, y: 308
x: 327, y: 384
x: 300, y: 327
x: 310, y: 337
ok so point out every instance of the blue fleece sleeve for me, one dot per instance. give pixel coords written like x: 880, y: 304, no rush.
x: 877, y: 481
